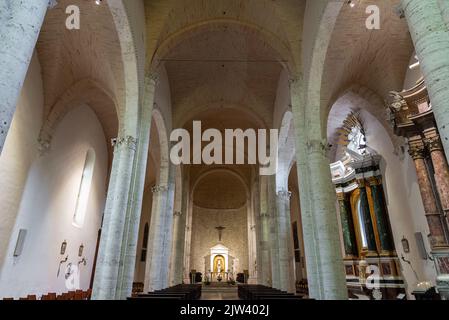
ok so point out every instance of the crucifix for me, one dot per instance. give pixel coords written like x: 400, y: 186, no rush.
x: 220, y: 230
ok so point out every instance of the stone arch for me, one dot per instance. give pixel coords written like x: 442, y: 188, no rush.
x: 129, y: 120
x: 164, y: 147
x: 313, y: 107
x: 286, y: 150
x: 226, y: 170
x: 267, y: 37
x: 359, y: 98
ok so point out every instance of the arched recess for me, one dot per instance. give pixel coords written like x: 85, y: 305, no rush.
x: 398, y: 176
x: 356, y: 98
x: 88, y: 92
x: 239, y: 179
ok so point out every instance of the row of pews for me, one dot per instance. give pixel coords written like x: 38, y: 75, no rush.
x: 71, y: 295
x: 260, y: 292
x: 179, y: 292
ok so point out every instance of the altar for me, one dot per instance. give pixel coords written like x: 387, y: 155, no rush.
x: 219, y: 265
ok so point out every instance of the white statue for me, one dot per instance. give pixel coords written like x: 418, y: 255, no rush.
x: 219, y: 266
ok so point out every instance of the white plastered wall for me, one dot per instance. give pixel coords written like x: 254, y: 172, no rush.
x: 48, y: 205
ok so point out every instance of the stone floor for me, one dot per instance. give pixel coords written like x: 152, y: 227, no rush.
x: 219, y: 292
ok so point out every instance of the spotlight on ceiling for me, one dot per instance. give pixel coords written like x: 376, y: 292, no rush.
x: 98, y: 2
x: 351, y: 3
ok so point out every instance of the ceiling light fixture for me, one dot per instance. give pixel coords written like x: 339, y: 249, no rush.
x: 98, y: 2
x: 351, y: 3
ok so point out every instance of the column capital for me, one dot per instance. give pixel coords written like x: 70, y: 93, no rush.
x: 341, y: 196
x: 265, y: 215
x: 374, y: 181
x: 128, y: 141
x: 417, y: 148
x: 361, y: 183
x: 158, y: 188
x: 52, y: 3
x: 318, y: 146
x: 432, y: 140
x: 152, y: 78
x: 284, y: 194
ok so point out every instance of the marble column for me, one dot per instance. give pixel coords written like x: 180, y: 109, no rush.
x: 444, y: 6
x: 179, y: 233
x: 441, y: 168
x: 20, y: 24
x: 331, y: 274
x: 366, y: 220
x: 431, y: 38
x: 114, y: 220
x: 381, y: 216
x: 284, y: 237
x: 417, y: 152
x: 126, y: 270
x: 347, y: 225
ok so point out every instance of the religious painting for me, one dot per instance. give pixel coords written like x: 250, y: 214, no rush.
x: 386, y: 269
x: 219, y: 264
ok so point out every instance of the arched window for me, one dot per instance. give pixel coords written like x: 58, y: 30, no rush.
x: 143, y: 255
x: 84, y: 189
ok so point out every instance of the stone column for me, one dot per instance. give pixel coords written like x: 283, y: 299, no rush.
x: 366, y: 220
x: 154, y: 263
x: 325, y: 270
x: 347, y: 225
x: 331, y: 277
x: 264, y: 231
x: 417, y: 152
x: 126, y: 270
x: 179, y: 233
x: 20, y: 24
x: 284, y: 238
x: 431, y: 38
x: 381, y: 215
x: 114, y: 220
x: 444, y: 6
x: 168, y: 215
x: 273, y: 227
